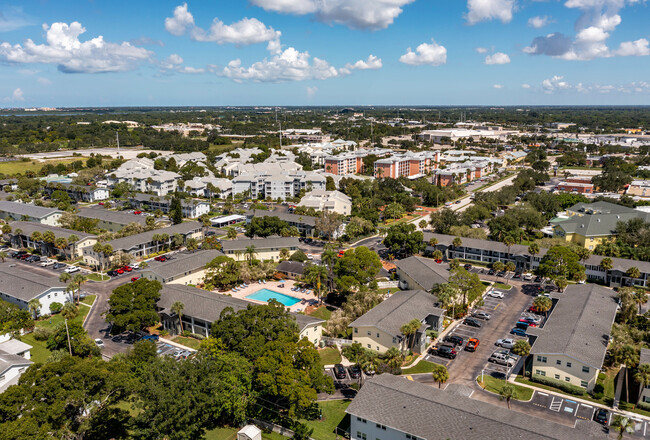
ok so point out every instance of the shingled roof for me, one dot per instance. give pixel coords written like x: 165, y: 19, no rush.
x: 430, y: 413
x: 424, y: 271
x: 24, y: 285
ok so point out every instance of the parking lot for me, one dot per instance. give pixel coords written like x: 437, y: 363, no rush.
x: 342, y: 386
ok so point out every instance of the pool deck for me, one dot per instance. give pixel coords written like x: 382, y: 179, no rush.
x: 273, y: 285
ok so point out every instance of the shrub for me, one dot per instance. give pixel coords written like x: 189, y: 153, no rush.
x: 566, y: 387
x: 187, y: 333
x: 602, y: 377
x: 598, y: 392
x: 163, y: 333
x: 55, y: 307
x: 42, y: 333
x: 643, y: 405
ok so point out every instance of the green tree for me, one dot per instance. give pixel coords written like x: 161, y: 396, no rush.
x: 65, y: 277
x: 510, y: 267
x: 354, y: 352
x: 394, y: 211
x: 409, y: 330
x: 393, y: 358
x: 250, y: 253
x: 437, y: 255
x: 423, y: 224
x: 560, y: 261
x: 561, y: 283
x: 69, y: 311
x: 231, y: 234
x: 447, y: 295
x: 628, y: 355
x: 443, y: 219
x: 177, y: 309
x: 132, y: 306
x: 176, y: 210
x: 640, y: 298
x: 633, y: 273
x: 34, y: 306
x: 440, y: 374
x: 507, y: 392
x: 521, y: 348
x: 542, y: 304
x: 79, y: 280
x: 623, y: 425
x: 467, y: 283
x: 361, y: 264
x: 79, y: 343
x: 316, y: 276
x: 404, y: 238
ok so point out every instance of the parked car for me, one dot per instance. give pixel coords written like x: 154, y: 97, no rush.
x: 501, y: 274
x: 495, y: 293
x: 528, y: 277
x: 602, y: 416
x: 517, y: 275
x: 47, y: 263
x: 99, y: 343
x: 135, y: 266
x: 481, y: 315
x: 72, y: 269
x: 112, y: 273
x: 531, y: 320
x: 501, y: 359
x: 454, y: 339
x: 133, y: 279
x: 33, y: 258
x: 472, y: 322
x: 472, y: 344
x: 491, y: 272
x: 505, y: 343
x: 522, y: 325
x: 120, y: 271
x: 467, y: 266
x: 339, y: 371
x: 58, y: 266
x: 354, y: 371
x: 446, y: 351
x: 160, y: 258
x: 518, y: 332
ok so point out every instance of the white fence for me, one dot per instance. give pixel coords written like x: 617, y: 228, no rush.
x: 388, y: 284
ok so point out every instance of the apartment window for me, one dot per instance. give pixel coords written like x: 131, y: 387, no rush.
x: 540, y: 372
x: 568, y: 364
x: 559, y: 362
x: 585, y: 369
x: 583, y: 383
x: 361, y: 435
x: 356, y: 330
x: 557, y: 376
x: 368, y: 345
x: 567, y: 379
x: 377, y: 334
x: 369, y: 333
x: 541, y: 359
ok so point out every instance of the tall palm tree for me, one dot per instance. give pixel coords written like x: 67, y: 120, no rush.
x: 61, y: 244
x: 640, y: 297
x: 642, y: 376
x: 440, y: 374
x: 34, y: 306
x: 634, y: 273
x: 250, y: 252
x: 177, y: 308
x: 409, y: 330
x: 509, y: 241
x: 533, y: 250
x: 607, y: 264
x: 507, y: 392
x: 628, y: 355
x: 542, y: 304
x: 315, y: 275
x: 498, y: 266
x: 458, y: 243
x: 65, y: 277
x: 231, y: 234
x: 393, y: 358
x: 509, y: 267
x: 624, y: 426
x: 79, y: 279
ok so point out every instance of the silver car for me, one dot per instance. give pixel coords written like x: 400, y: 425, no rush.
x: 482, y: 315
x: 505, y: 343
x: 502, y: 359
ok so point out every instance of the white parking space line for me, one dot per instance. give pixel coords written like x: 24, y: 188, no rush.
x: 556, y: 404
x: 542, y: 394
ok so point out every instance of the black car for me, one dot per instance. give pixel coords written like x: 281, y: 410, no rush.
x: 454, y: 339
x: 538, y: 279
x: 501, y: 274
x: 339, y: 371
x: 355, y: 371
x: 491, y: 272
x: 33, y: 258
x: 56, y: 266
x: 112, y: 273
x: 18, y: 254
x: 467, y: 266
x: 210, y: 233
x: 447, y: 351
x: 472, y: 322
x: 517, y: 275
x: 602, y: 416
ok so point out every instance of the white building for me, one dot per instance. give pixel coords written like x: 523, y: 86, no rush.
x: 327, y: 201
x: 277, y: 184
x: 142, y: 177
x: 19, y: 287
x: 22, y: 211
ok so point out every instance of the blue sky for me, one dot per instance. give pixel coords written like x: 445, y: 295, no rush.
x: 324, y: 52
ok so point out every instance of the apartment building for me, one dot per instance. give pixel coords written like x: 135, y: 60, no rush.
x: 274, y: 185
x: 572, y: 344
x: 344, y: 164
x: 191, y: 208
x: 23, y: 233
x: 78, y: 193
x: 644, y: 358
x: 186, y: 268
x: 19, y: 287
x: 407, y: 165
x: 218, y: 188
x: 21, y: 211
x: 264, y: 248
x: 142, y: 177
x: 111, y: 220
x: 327, y: 201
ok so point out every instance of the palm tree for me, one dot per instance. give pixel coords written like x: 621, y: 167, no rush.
x: 642, y: 376
x: 542, y: 304
x: 509, y: 241
x: 69, y: 311
x: 498, y: 266
x: 509, y: 267
x: 36, y: 237
x: 437, y: 255
x: 393, y: 358
x: 634, y: 273
x: 456, y: 243
x: 507, y: 392
x: 231, y: 234
x: 61, y: 244
x: 583, y: 254
x: 433, y: 242
x: 623, y: 425
x: 533, y: 250
x: 250, y: 252
x: 423, y: 224
x: 607, y: 264
x: 629, y: 356
x: 34, y: 306
x: 561, y: 283
x: 79, y: 279
x: 315, y: 275
x: 65, y: 277
x: 409, y: 330
x: 284, y: 254
x: 640, y: 297
x: 177, y: 308
x: 440, y: 374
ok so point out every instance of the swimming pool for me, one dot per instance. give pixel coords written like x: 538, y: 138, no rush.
x: 266, y: 295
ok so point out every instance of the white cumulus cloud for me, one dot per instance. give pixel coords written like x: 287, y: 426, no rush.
x: 243, y: 32
x: 174, y: 63
x: 64, y: 48
x: 18, y: 95
x: 498, y: 86
x: 554, y: 84
x: 482, y: 10
x: 539, y: 22
x: 482, y: 50
x: 497, y: 58
x: 432, y: 54
x: 355, y: 14
x: 525, y: 86
x: 372, y: 63
x: 311, y: 91
x: 633, y: 48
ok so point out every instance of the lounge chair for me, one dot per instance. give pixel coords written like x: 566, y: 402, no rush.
x: 259, y: 281
x: 264, y: 281
x: 234, y: 289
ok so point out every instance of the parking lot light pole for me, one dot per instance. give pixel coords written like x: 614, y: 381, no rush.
x: 482, y: 373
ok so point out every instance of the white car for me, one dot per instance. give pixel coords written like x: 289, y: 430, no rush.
x: 71, y: 269
x: 310, y: 257
x: 135, y: 266
x: 99, y: 343
x: 528, y: 277
x: 505, y: 343
x: 495, y: 294
x: 47, y: 263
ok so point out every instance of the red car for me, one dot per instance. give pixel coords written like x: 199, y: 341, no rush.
x: 137, y: 212
x: 135, y: 279
x: 160, y: 258
x: 530, y: 323
x: 532, y: 309
x: 120, y: 271
x: 127, y: 269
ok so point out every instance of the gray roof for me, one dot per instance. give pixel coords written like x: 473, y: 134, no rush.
x: 289, y: 218
x: 27, y: 210
x: 29, y: 227
x: 24, y: 285
x: 208, y: 306
x: 147, y: 236
x: 272, y: 242
x: 142, y: 197
x: 430, y: 413
x: 644, y: 357
x: 424, y: 271
x: 8, y: 361
x: 14, y: 346
x: 291, y: 267
x: 117, y: 217
x: 183, y: 263
x: 579, y: 325
x: 598, y: 218
x: 447, y: 240
x: 398, y: 310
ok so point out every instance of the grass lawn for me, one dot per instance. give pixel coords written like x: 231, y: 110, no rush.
x: 231, y: 434
x: 89, y: 299
x: 329, y: 356
x: 387, y: 290
x: 502, y: 286
x: 606, y: 400
x: 333, y: 416
x: 422, y: 367
x: 494, y: 385
x: 19, y: 167
x: 188, y: 342
x: 322, y: 313
x: 97, y: 277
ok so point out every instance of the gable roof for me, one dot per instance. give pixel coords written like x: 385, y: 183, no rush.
x: 398, y: 310
x: 579, y: 325
x: 24, y: 285
x: 424, y: 271
x: 34, y: 211
x: 291, y: 267
x: 430, y: 413
x: 285, y: 216
x: 182, y: 263
x: 272, y: 242
x: 145, y: 237
x: 29, y: 227
x: 117, y: 217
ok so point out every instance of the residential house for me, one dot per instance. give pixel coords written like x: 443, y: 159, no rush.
x: 20, y: 287
x: 78, y: 193
x: 21, y: 211
x: 143, y: 244
x: 111, y: 220
x: 380, y: 328
x: 394, y: 408
x: 327, y: 201
x: 22, y: 232
x: 201, y: 308
x: 419, y: 273
x: 184, y: 267
x: 12, y: 366
x: 265, y: 248
x: 191, y: 208
x: 293, y: 270
x: 572, y: 344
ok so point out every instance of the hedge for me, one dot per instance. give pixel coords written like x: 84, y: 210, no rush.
x: 564, y: 386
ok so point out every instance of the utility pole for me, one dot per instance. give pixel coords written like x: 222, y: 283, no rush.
x: 117, y: 137
x: 67, y: 332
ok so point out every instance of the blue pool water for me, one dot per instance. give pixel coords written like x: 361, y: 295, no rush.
x: 266, y: 295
